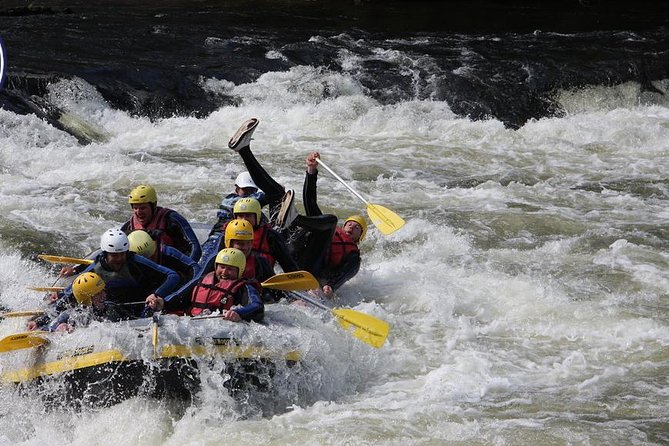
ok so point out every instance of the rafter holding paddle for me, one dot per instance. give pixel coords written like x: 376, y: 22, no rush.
x: 383, y: 218
x: 292, y: 281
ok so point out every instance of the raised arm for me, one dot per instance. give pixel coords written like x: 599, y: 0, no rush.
x: 309, y: 191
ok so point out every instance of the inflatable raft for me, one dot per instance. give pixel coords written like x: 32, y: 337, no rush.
x: 105, y: 363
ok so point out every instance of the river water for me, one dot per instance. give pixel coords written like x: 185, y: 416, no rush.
x: 527, y: 293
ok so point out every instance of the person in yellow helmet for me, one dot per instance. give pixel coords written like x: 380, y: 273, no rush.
x: 89, y: 289
x: 225, y: 290
x: 239, y: 234
x: 165, y: 225
x: 328, y: 251
x: 89, y: 292
x: 143, y: 244
x: 267, y: 242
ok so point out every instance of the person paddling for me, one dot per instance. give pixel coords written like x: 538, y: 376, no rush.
x: 238, y: 235
x: 129, y: 278
x: 225, y: 290
x: 267, y: 242
x: 89, y: 291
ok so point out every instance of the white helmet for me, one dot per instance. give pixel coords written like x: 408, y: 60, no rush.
x: 114, y: 240
x: 244, y: 180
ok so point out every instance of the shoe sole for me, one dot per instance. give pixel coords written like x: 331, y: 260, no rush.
x: 244, y: 132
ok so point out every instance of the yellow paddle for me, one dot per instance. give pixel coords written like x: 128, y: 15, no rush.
x: 46, y: 288
x: 63, y: 259
x: 383, y: 218
x: 23, y: 340
x: 368, y: 329
x: 293, y: 281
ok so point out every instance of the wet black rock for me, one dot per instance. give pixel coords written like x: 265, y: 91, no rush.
x: 497, y: 59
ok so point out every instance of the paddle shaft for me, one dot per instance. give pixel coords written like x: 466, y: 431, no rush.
x: 46, y: 288
x: 24, y: 313
x: 341, y: 180
x: 211, y: 316
x: 154, y: 332
x: 305, y: 297
x: 384, y: 219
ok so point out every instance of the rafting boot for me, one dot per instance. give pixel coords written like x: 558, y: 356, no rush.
x: 287, y: 213
x: 242, y: 137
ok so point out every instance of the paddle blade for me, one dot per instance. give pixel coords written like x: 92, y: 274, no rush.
x: 384, y: 219
x: 367, y: 328
x: 63, y: 259
x: 46, y: 288
x: 294, y: 281
x: 20, y: 341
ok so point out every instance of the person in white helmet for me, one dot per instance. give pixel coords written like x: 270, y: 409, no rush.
x: 245, y: 187
x: 130, y: 278
x: 254, y: 183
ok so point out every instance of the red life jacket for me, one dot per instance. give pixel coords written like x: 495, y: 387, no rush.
x: 157, y: 226
x: 214, y: 296
x: 342, y: 245
x: 250, y: 268
x: 261, y: 243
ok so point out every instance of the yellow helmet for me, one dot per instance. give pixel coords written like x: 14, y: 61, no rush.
x: 237, y: 229
x: 232, y: 257
x: 248, y: 206
x: 141, y: 243
x: 85, y: 286
x: 143, y: 194
x: 361, y: 221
